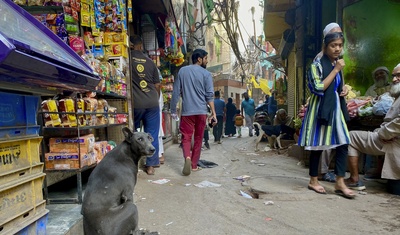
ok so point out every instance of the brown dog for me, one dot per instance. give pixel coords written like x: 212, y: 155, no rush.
x: 107, y: 206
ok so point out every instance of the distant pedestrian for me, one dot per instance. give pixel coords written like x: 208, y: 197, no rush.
x: 220, y: 111
x: 195, y: 84
x: 239, y: 123
x: 249, y: 110
x: 230, y: 129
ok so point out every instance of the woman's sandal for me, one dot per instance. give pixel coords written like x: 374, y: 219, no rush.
x: 317, y: 188
x: 345, y: 195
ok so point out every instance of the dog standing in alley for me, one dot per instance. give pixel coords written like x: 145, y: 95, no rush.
x: 108, y: 206
x: 273, y: 140
x: 274, y: 134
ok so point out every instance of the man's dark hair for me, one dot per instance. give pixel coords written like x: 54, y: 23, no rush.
x: 198, y: 53
x: 216, y: 94
x: 135, y: 40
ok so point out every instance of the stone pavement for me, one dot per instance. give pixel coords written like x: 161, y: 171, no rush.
x: 216, y: 200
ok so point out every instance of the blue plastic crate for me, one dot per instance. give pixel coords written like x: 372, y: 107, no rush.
x: 38, y: 227
x: 18, y: 131
x: 18, y: 110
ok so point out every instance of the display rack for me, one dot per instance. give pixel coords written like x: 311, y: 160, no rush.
x: 54, y: 176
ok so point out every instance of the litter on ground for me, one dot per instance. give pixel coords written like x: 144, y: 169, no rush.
x: 207, y: 184
x: 160, y: 181
x: 242, y: 177
x: 245, y: 194
x: 269, y: 203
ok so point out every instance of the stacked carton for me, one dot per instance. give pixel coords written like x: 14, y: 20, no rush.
x: 70, y: 153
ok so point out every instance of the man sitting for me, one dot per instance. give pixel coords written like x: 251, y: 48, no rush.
x: 383, y: 141
x: 381, y: 82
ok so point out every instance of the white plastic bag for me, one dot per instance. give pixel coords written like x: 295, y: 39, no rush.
x: 382, y: 106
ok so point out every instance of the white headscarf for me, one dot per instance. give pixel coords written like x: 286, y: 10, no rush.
x: 329, y: 27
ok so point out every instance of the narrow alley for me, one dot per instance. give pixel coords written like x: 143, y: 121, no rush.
x: 179, y: 205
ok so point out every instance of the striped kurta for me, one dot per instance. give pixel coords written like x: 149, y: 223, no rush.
x: 314, y: 134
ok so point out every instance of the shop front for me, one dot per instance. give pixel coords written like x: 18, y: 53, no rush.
x: 155, y: 22
x: 34, y: 62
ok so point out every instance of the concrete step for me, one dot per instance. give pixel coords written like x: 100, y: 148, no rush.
x: 64, y: 219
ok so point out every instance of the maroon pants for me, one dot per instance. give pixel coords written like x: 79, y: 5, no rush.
x: 188, y: 125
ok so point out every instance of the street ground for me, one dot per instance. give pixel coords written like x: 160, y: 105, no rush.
x: 280, y: 202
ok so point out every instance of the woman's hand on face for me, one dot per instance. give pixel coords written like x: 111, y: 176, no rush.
x: 339, y: 64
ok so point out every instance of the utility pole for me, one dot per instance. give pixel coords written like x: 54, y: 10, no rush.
x: 253, y: 10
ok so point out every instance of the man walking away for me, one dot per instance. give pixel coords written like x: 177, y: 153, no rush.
x: 195, y: 84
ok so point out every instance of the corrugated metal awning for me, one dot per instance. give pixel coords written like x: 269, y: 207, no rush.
x: 150, y: 6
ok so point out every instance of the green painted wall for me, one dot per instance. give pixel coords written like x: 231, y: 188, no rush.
x: 372, y: 34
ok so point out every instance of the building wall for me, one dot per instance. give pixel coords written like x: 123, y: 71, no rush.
x: 217, y: 48
x: 372, y: 40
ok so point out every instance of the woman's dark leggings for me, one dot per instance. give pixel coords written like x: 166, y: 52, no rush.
x: 341, y: 161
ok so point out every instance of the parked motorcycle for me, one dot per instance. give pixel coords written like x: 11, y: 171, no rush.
x: 261, y: 116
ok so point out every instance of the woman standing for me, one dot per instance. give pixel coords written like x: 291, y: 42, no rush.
x: 230, y: 129
x: 324, y: 125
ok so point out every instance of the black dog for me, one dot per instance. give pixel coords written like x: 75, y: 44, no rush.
x: 278, y: 132
x: 107, y: 206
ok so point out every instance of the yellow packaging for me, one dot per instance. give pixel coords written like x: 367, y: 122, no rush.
x: 50, y: 119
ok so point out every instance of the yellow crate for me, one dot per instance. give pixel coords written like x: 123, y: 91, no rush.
x: 19, y: 153
x: 22, y: 224
x: 21, y: 173
x: 20, y: 196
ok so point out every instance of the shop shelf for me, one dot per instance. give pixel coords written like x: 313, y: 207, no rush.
x: 19, y: 153
x: 18, y: 110
x: 18, y: 131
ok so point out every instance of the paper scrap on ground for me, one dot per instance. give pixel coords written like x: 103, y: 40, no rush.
x: 252, y: 154
x: 207, y: 184
x: 245, y: 194
x: 269, y: 203
x: 161, y: 181
x: 242, y: 177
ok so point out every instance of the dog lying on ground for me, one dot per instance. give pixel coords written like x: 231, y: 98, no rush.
x: 108, y: 206
x: 274, y: 134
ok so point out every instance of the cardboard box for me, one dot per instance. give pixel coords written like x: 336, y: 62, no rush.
x: 70, y: 145
x: 67, y: 161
